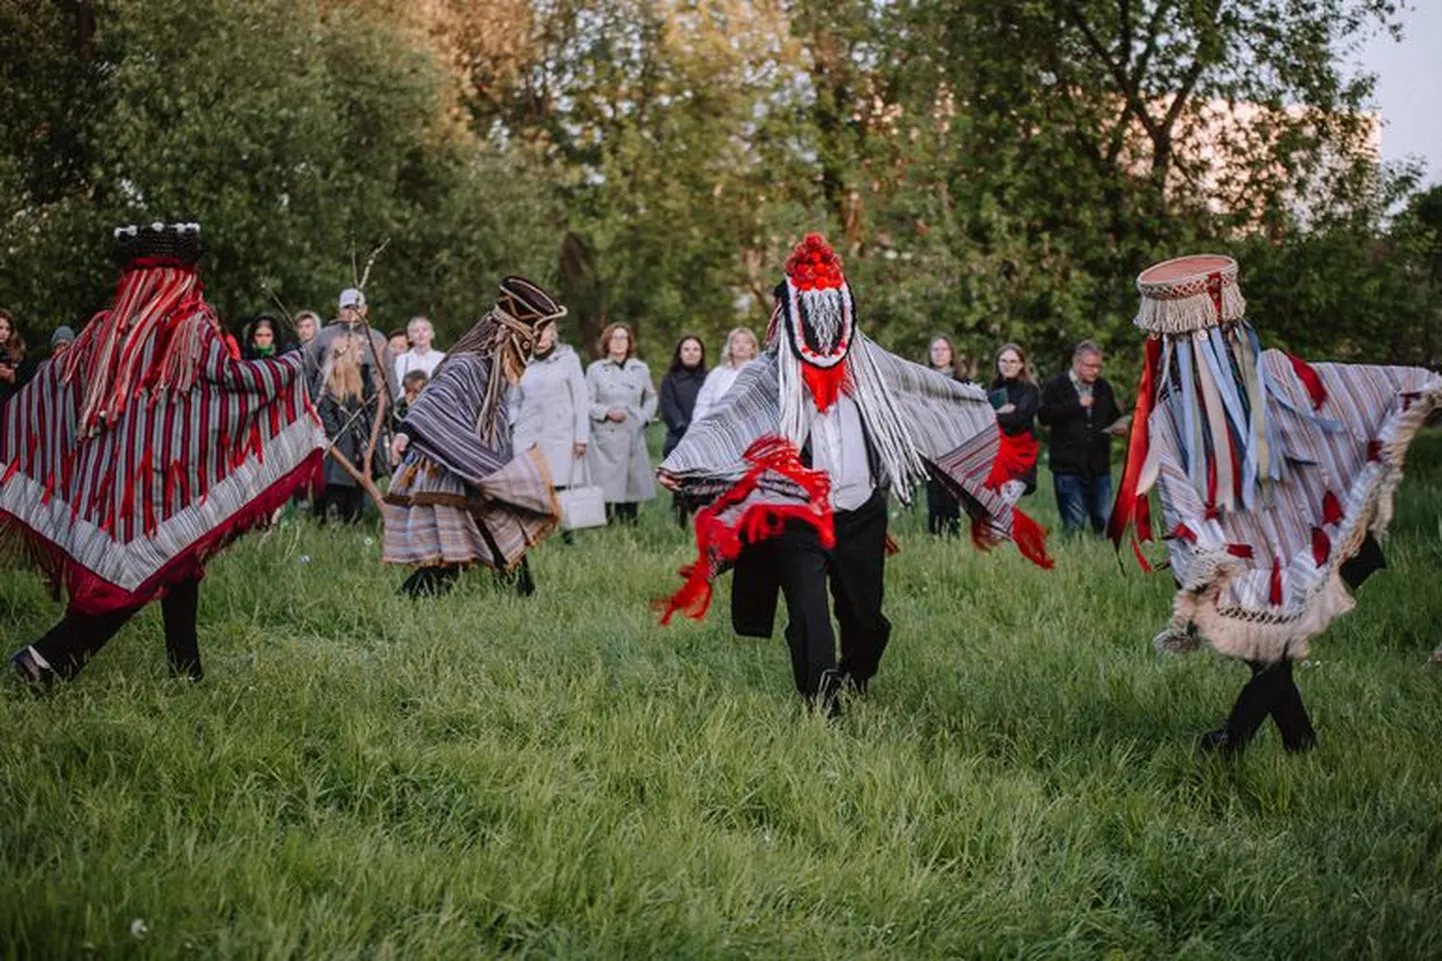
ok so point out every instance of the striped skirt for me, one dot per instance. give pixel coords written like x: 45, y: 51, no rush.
x: 432, y: 516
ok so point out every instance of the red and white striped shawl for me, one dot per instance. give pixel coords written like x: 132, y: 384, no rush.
x: 1259, y: 583
x: 169, y: 475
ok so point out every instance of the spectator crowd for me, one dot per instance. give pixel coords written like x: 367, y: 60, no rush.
x: 588, y: 421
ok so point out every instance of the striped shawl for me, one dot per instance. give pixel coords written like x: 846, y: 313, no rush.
x: 1260, y: 579
x: 458, y: 498
x: 740, y: 460
x: 164, y: 475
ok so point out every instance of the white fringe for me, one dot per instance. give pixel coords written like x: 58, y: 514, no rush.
x: 1194, y: 312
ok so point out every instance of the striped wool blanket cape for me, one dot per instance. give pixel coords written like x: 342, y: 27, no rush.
x: 743, y: 460
x: 1271, y: 471
x: 146, y: 448
x: 460, y: 495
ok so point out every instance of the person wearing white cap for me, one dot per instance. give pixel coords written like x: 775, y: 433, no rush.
x: 351, y: 317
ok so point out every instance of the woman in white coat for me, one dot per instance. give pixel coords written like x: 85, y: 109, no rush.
x: 741, y: 349
x: 623, y: 401
x: 550, y: 410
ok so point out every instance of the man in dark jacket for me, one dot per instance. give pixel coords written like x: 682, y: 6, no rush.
x: 1082, y: 412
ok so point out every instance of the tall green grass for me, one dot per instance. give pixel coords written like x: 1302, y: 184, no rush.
x: 361, y: 776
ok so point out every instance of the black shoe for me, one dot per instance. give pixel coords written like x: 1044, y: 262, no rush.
x: 1222, y: 742
x: 430, y: 581
x: 32, y: 674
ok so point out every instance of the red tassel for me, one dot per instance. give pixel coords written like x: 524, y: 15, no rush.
x: 1243, y: 551
x: 1185, y: 533
x: 1015, y: 456
x: 1321, y: 546
x: 1030, y: 539
x: 892, y: 548
x: 1374, y: 450
x: 1132, y: 507
x: 1310, y: 379
x: 1331, y: 508
x: 1141, y: 558
x: 717, y: 544
x: 1276, y: 582
x: 10, y: 472
x: 825, y: 383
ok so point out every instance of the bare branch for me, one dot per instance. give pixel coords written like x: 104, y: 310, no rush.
x: 370, y: 262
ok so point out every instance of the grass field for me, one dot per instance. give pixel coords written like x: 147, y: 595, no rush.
x: 361, y: 776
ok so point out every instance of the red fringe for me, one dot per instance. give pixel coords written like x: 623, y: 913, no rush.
x: 1030, y: 539
x: 1374, y: 450
x: 1276, y: 596
x: 1185, y: 533
x: 1015, y: 456
x: 718, y: 544
x: 1321, y: 546
x: 1311, y: 380
x: 89, y: 593
x: 825, y: 383
x: 1243, y: 551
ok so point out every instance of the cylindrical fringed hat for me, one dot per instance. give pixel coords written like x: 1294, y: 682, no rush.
x: 1190, y: 293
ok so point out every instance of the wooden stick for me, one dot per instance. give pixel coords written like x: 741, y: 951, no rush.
x: 361, y: 479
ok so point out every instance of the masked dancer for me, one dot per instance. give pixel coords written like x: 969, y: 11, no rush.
x: 796, y: 462
x: 460, y: 495
x: 1276, y: 479
x: 144, y: 450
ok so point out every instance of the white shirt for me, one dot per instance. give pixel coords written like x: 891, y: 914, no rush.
x: 412, y: 360
x: 715, y: 387
x: 838, y: 447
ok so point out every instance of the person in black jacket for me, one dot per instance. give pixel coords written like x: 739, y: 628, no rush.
x: 679, y: 389
x: 1016, y: 398
x: 1081, y: 409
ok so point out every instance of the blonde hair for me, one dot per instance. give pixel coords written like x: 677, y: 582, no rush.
x: 342, y: 373
x: 735, y: 332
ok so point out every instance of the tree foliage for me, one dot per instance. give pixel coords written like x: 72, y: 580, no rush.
x: 992, y: 169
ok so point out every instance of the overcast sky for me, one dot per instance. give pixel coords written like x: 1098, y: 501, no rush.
x: 1409, y: 87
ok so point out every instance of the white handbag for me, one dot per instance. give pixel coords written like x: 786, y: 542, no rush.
x: 582, y: 505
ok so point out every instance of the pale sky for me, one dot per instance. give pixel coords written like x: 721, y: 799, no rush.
x: 1409, y: 87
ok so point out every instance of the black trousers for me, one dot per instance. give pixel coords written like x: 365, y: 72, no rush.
x: 1271, y: 692
x: 943, y: 513
x: 855, y: 571
x: 347, y: 502
x: 70, y: 644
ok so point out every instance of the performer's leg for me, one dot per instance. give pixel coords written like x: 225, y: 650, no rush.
x: 70, y: 644
x: 180, y: 606
x: 858, y: 584
x: 1070, y: 501
x: 431, y: 581
x: 1290, y: 714
x: 518, y: 577
x: 1253, y: 704
x: 943, y: 514
x: 801, y: 563
x: 626, y: 512
x: 350, y: 503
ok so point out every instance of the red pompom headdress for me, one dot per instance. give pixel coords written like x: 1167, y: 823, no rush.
x: 815, y: 307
